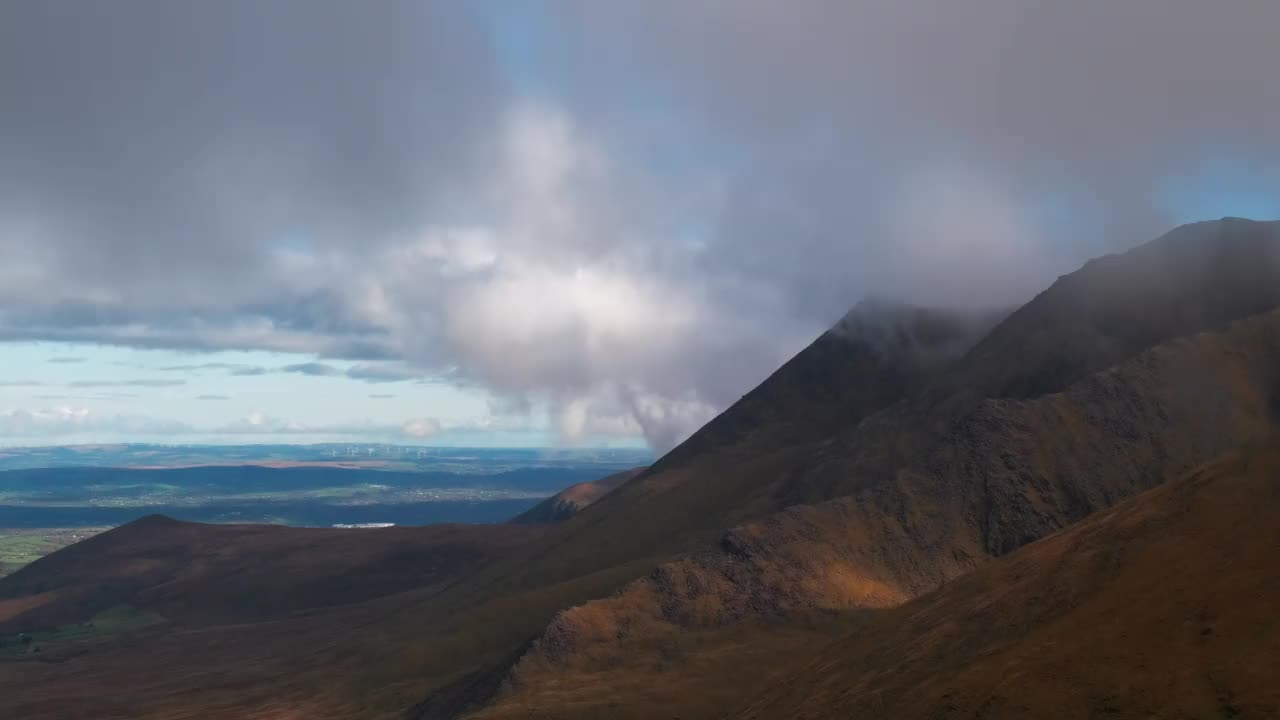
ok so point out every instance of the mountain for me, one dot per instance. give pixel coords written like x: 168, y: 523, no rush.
x: 905, y: 452
x: 1159, y: 607
x: 1011, y: 471
x: 570, y: 501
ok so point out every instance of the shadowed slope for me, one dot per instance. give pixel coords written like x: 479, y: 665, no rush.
x: 1196, y: 278
x: 193, y: 573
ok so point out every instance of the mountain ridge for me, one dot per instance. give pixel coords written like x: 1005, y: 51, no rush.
x: 911, y: 477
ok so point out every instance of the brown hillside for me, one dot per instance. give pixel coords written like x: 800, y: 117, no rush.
x: 1162, y: 607
x: 1012, y: 471
x: 193, y: 573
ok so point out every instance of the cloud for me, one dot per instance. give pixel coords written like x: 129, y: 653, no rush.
x: 213, y: 397
x: 20, y: 383
x: 63, y: 420
x: 630, y: 222
x: 373, y: 372
x: 66, y: 360
x: 257, y: 423
x: 237, y: 369
x: 143, y: 383
x: 381, y: 396
x: 421, y: 428
x: 94, y: 396
x: 382, y: 373
x: 312, y: 368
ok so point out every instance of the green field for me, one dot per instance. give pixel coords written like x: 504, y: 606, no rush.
x: 119, y: 619
x: 19, y: 546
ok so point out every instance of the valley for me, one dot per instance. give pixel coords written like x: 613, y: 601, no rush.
x: 45, y: 508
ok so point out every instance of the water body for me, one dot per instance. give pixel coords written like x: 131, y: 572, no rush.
x: 302, y: 514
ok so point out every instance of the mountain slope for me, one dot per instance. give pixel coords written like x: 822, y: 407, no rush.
x: 1196, y: 278
x: 1012, y: 471
x: 196, y: 574
x: 570, y: 501
x: 765, y: 454
x: 1162, y: 607
x: 1159, y: 607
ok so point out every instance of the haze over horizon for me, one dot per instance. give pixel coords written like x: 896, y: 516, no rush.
x: 565, y: 222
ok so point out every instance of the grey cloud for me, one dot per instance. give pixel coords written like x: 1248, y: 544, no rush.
x: 634, y: 239
x: 364, y: 371
x: 367, y: 372
x: 249, y: 371
x: 381, y: 396
x: 229, y: 367
x: 382, y: 373
x: 213, y: 397
x: 312, y: 368
x: 20, y: 383
x: 143, y: 383
x: 96, y: 396
x: 65, y: 360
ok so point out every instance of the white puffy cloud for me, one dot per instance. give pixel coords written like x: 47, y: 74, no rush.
x: 421, y: 428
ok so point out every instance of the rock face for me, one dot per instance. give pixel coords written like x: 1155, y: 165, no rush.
x: 570, y: 501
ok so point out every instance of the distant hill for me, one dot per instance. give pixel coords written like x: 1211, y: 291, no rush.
x: 570, y: 501
x: 197, y: 574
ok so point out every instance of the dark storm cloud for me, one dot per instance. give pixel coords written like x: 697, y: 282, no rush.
x: 629, y: 216
x: 158, y: 154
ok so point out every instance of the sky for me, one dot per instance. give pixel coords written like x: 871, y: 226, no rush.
x: 565, y: 221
